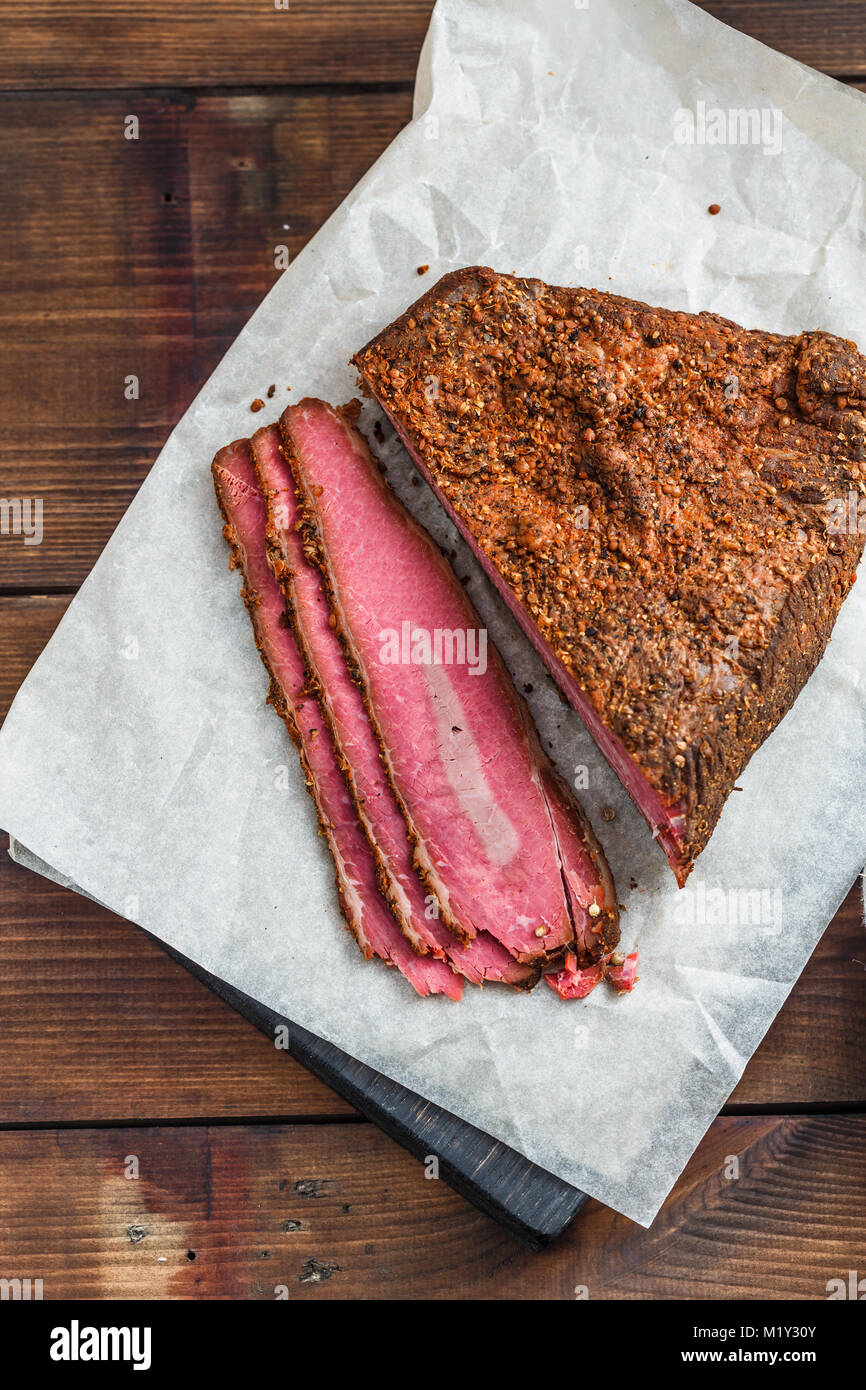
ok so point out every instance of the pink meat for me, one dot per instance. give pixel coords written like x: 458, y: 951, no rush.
x: 576, y: 982
x: 497, y: 836
x: 623, y: 977
x: 573, y: 982
x: 358, y: 751
x: 363, y: 907
x: 667, y: 823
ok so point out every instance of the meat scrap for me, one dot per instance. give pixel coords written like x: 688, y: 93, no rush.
x: 657, y: 497
x: 365, y: 911
x: 499, y: 841
x: 576, y: 982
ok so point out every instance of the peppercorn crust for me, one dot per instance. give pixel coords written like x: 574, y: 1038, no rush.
x: 676, y: 502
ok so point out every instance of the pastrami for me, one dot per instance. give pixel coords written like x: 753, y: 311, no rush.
x: 498, y: 839
x: 662, y: 538
x: 364, y: 909
x: 415, y: 909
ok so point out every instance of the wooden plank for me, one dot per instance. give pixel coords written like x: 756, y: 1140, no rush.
x: 815, y: 1051
x: 122, y: 43
x: 525, y: 1199
x: 99, y: 1023
x: 338, y: 1212
x: 826, y: 34
x: 147, y: 266
x: 26, y: 623
x: 127, y: 283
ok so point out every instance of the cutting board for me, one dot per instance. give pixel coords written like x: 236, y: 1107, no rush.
x: 531, y: 1203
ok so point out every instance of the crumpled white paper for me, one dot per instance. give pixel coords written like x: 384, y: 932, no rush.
x: 140, y: 760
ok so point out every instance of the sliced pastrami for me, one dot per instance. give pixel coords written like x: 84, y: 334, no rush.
x: 346, y: 718
x: 588, y: 881
x: 365, y: 911
x: 496, y: 835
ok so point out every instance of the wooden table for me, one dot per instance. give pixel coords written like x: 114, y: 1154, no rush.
x: 147, y: 257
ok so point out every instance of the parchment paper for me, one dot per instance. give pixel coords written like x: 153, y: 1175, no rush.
x: 140, y: 760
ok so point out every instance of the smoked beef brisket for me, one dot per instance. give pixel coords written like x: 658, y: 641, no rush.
x: 341, y: 703
x: 668, y: 502
x: 365, y: 911
x: 500, y: 843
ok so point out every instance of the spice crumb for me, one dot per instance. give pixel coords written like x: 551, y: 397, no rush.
x: 257, y: 404
x: 608, y: 813
x: 271, y: 390
x: 422, y: 269
x: 714, y: 209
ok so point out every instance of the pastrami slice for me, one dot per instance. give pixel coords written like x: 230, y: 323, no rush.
x: 365, y: 911
x: 472, y: 783
x: 349, y: 727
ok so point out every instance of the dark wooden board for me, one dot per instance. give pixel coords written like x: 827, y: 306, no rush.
x: 531, y: 1203
x: 337, y: 1212
x: 100, y: 1024
x: 524, y: 1199
x: 123, y: 43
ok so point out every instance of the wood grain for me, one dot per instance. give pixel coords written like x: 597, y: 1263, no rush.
x: 148, y: 257
x: 815, y: 1050
x: 91, y: 44
x: 337, y: 1212
x: 100, y: 1024
x: 26, y: 623
x: 143, y: 258
x: 825, y: 34
x: 122, y: 43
